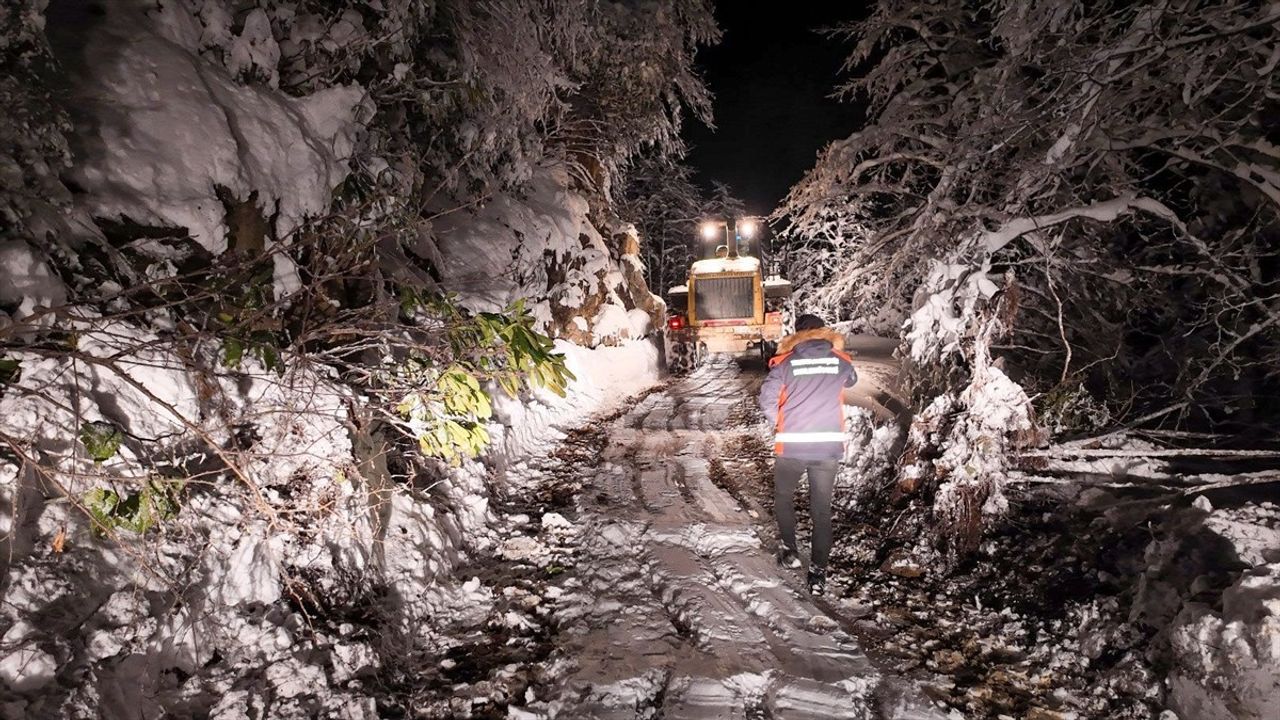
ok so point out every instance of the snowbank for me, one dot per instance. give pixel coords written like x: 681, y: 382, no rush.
x: 1226, y: 655
x: 318, y: 522
x: 302, y: 555
x: 309, y: 515
x: 606, y: 376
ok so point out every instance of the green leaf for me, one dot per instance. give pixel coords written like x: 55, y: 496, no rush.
x: 10, y: 371
x: 499, y: 348
x: 132, y: 514
x: 101, y: 504
x: 101, y: 439
x: 409, y: 300
x: 232, y: 352
x: 154, y: 503
x: 406, y: 406
x: 270, y: 357
x: 510, y: 384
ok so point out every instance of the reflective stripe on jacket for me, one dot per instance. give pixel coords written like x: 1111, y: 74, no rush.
x: 802, y: 396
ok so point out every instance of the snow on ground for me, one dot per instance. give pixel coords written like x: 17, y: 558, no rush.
x: 1224, y: 642
x: 671, y: 603
x: 1096, y: 599
x: 305, y: 525
x: 605, y: 377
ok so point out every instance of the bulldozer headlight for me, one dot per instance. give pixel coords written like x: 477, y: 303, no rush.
x: 746, y: 228
x: 709, y: 230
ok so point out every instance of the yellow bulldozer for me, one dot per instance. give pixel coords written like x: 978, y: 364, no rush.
x: 728, y: 305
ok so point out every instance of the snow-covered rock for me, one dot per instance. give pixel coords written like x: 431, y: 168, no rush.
x: 158, y: 129
x: 542, y: 245
x: 29, y: 283
x: 1227, y: 660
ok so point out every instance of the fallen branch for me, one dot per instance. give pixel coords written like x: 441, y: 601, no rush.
x: 1139, y: 453
x: 1101, y: 211
x: 1179, y: 484
x: 1082, y: 479
x: 1259, y: 478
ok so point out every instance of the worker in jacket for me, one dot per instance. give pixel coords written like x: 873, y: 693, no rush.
x: 802, y: 399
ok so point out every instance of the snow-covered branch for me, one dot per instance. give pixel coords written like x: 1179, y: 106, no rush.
x: 1103, y: 211
x: 1089, y: 192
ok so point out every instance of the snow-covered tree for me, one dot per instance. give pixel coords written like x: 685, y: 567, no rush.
x: 478, y: 92
x: 635, y: 77
x: 665, y: 205
x: 1102, y: 152
x: 722, y: 204
x: 1068, y: 183
x: 667, y: 208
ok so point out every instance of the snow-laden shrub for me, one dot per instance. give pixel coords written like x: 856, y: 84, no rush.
x: 130, y: 384
x: 132, y: 445
x: 1208, y: 596
x: 544, y: 246
x: 948, y: 314
x: 960, y: 446
x: 447, y: 407
x: 1070, y: 409
x: 165, y: 139
x: 202, y: 349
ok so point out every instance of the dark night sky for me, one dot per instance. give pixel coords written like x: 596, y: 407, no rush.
x: 771, y: 75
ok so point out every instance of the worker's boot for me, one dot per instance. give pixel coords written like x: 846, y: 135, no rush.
x: 787, y: 558
x: 817, y: 580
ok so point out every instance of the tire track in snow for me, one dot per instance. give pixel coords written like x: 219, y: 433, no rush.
x: 680, y: 610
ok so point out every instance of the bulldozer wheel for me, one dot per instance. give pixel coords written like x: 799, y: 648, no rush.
x: 683, y: 358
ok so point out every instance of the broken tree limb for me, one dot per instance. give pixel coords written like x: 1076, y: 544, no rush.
x: 1102, y: 211
x: 1087, y: 480
x: 1179, y: 484
x: 1228, y: 481
x: 1059, y: 452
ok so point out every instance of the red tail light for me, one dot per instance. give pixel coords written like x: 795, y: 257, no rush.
x: 675, y: 322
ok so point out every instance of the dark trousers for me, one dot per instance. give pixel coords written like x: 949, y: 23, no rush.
x: 822, y: 478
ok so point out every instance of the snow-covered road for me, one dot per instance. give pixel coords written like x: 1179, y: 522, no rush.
x: 680, y: 610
